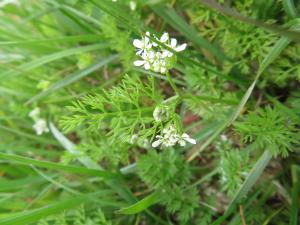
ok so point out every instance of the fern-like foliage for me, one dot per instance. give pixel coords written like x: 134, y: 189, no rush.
x: 234, y: 167
x: 164, y: 169
x: 180, y: 201
x: 269, y: 129
x: 123, y: 111
x: 168, y: 173
x: 77, y: 216
x: 119, y: 40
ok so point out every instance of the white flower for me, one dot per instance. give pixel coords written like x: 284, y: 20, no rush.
x: 186, y: 138
x: 40, y: 126
x: 173, y: 45
x: 148, y: 58
x: 35, y: 113
x: 133, y: 138
x: 156, y: 57
x: 157, y: 114
x: 142, y: 45
x: 224, y: 137
x: 132, y: 5
x: 170, y: 137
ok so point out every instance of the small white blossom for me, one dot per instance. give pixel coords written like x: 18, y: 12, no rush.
x: 186, y: 138
x: 224, y: 137
x: 155, y: 57
x: 142, y: 45
x: 133, y: 138
x: 132, y: 5
x: 35, y: 113
x: 40, y: 126
x: 170, y: 137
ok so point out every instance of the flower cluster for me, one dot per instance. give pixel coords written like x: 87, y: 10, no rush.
x: 170, y: 137
x: 40, y: 125
x: 156, y: 57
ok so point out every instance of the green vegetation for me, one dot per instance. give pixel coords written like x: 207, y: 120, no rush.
x: 149, y: 112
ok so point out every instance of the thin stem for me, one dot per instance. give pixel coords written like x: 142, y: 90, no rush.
x: 173, y: 85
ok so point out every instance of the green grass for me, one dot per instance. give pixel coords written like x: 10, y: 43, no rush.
x: 234, y: 90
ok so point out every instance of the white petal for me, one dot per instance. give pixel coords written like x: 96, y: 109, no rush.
x: 156, y: 143
x: 181, y: 47
x: 164, y: 37
x: 148, y: 33
x: 132, y: 5
x: 190, y: 140
x: 165, y: 54
x: 185, y: 135
x: 137, y: 43
x: 181, y: 143
x: 170, y: 54
x: 139, y: 62
x: 163, y: 70
x: 173, y: 43
x: 147, y: 66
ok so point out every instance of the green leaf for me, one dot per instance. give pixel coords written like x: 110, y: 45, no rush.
x: 52, y: 57
x: 295, y: 196
x: 70, y: 147
x: 141, y: 205
x: 62, y: 39
x: 30, y: 216
x: 293, y: 35
x: 290, y: 9
x: 271, y: 56
x: 72, y: 78
x: 249, y: 182
x: 58, y: 166
x: 172, y: 18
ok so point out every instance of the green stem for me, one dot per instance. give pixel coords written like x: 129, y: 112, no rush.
x: 173, y: 85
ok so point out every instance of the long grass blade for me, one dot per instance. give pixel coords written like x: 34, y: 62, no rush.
x: 73, y: 78
x: 293, y: 35
x: 52, y: 57
x: 141, y: 205
x: 58, y: 166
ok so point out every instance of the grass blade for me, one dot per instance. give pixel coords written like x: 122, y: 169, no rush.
x: 172, y: 18
x: 251, y: 179
x: 271, y: 56
x: 34, y: 215
x: 52, y: 57
x: 293, y: 35
x: 72, y: 78
x: 141, y: 205
x: 290, y: 9
x: 70, y: 147
x: 57, y: 166
x: 295, y: 196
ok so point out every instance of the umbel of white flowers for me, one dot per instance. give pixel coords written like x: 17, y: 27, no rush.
x: 40, y: 125
x: 156, y: 57
x: 170, y: 137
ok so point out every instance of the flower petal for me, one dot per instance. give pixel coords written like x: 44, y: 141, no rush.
x: 190, y: 140
x: 156, y: 143
x: 164, y: 37
x: 163, y: 70
x: 139, y: 62
x: 137, y: 43
x: 147, y: 66
x: 173, y: 42
x: 181, y: 47
x: 181, y: 143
